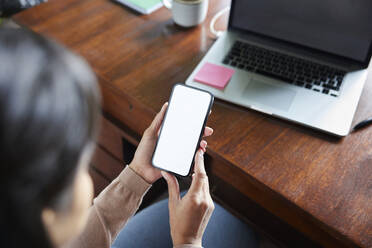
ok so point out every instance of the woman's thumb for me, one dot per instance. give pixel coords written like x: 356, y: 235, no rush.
x: 173, y: 187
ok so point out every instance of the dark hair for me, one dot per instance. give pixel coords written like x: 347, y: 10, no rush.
x: 49, y: 107
x: 9, y: 7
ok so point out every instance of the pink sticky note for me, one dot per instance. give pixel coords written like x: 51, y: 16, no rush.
x: 214, y: 75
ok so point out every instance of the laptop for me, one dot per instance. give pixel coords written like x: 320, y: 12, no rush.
x: 303, y: 61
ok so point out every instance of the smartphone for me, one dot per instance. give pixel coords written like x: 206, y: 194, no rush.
x: 182, y: 129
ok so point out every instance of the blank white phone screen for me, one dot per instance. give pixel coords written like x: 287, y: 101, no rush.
x: 181, y: 130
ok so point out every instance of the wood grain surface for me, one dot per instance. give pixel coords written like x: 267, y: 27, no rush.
x: 318, y: 184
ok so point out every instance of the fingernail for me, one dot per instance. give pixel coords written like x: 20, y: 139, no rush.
x: 204, y: 143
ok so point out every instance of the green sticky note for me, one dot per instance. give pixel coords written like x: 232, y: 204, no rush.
x: 145, y: 4
x: 142, y: 6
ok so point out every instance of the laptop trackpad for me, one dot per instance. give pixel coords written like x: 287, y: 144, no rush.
x: 273, y: 96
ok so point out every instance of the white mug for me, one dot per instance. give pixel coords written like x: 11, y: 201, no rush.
x: 187, y: 13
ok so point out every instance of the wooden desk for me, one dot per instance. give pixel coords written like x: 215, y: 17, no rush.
x: 320, y: 185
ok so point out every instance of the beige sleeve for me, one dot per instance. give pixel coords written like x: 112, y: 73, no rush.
x: 111, y: 210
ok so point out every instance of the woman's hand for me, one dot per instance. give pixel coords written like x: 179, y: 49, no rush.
x: 141, y: 163
x: 190, y: 215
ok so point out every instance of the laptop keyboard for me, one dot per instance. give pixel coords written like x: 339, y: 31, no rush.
x: 289, y: 69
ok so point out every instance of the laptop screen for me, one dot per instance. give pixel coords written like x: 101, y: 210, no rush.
x: 340, y: 27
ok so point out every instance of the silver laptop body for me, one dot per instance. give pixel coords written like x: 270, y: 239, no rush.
x: 328, y: 109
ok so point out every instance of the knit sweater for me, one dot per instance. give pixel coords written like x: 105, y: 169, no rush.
x: 112, y: 209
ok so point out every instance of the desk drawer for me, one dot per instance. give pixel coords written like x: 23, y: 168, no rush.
x: 108, y: 166
x: 115, y: 148
x: 118, y: 142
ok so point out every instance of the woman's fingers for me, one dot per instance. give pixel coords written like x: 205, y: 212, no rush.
x: 208, y: 132
x: 173, y: 187
x: 200, y: 177
x: 158, y: 120
x: 203, y: 145
x: 199, y: 163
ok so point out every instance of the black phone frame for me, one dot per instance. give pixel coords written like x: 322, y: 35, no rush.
x: 201, y: 132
